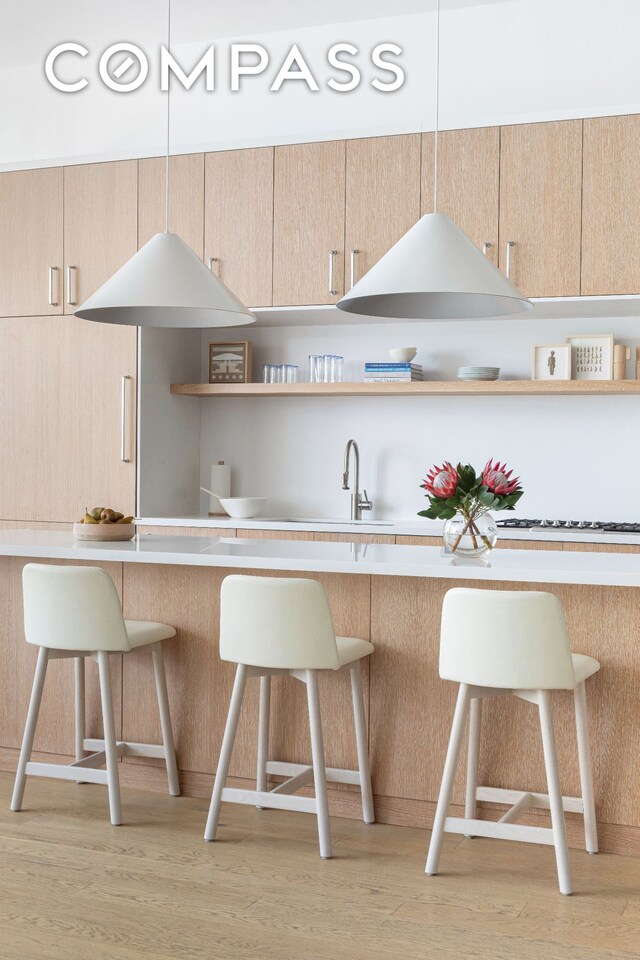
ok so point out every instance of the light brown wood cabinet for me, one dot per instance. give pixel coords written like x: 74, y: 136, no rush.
x: 468, y: 182
x: 382, y: 198
x: 308, y: 223
x: 100, y: 225
x: 238, y: 222
x: 186, y: 199
x: 611, y: 206
x: 540, y: 207
x: 31, y: 243
x: 62, y: 441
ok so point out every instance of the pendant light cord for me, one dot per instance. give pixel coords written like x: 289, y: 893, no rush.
x: 166, y: 176
x: 437, y: 117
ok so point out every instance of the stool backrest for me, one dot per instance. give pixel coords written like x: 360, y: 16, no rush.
x: 505, y: 638
x: 277, y: 622
x: 72, y: 608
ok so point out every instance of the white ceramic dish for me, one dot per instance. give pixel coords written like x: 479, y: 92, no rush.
x: 403, y: 354
x: 243, y: 508
x: 101, y: 532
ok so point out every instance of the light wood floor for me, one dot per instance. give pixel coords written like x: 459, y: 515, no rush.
x: 72, y: 886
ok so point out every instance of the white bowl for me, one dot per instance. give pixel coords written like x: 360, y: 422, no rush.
x: 403, y: 354
x: 243, y: 507
x: 104, y: 531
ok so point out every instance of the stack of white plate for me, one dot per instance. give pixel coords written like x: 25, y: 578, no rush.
x: 478, y: 373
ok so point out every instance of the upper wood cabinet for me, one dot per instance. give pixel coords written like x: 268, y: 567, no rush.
x: 100, y: 225
x: 540, y: 207
x: 68, y: 435
x: 186, y: 199
x: 31, y: 242
x: 468, y: 182
x: 611, y: 206
x: 238, y: 222
x: 382, y: 198
x: 308, y: 223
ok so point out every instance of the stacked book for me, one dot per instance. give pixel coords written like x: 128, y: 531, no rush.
x: 392, y: 372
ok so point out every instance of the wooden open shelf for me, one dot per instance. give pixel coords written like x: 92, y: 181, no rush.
x: 425, y: 388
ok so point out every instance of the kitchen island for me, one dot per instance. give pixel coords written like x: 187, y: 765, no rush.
x: 387, y: 593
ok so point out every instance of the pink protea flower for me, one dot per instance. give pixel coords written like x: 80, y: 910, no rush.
x: 442, y: 482
x: 497, y: 480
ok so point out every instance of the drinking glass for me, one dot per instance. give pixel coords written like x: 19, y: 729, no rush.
x: 267, y: 373
x: 332, y: 368
x: 290, y: 373
x: 316, y: 368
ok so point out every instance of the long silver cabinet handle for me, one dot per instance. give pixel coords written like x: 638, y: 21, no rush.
x: 507, y: 264
x: 72, y: 300
x: 332, y: 254
x: 53, y: 272
x: 123, y: 419
x: 354, y: 254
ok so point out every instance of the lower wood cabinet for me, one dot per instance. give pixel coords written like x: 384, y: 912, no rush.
x: 66, y: 434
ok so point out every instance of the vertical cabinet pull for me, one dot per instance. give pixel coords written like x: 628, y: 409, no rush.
x: 123, y: 419
x: 213, y: 260
x: 486, y: 246
x: 72, y: 292
x: 53, y: 273
x: 332, y: 290
x: 507, y: 265
x: 354, y: 254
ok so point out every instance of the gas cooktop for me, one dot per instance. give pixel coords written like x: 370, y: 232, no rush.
x: 576, y: 526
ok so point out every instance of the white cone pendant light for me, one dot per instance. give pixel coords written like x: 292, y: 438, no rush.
x: 434, y: 272
x: 165, y: 284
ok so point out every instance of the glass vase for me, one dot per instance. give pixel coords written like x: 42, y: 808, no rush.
x: 470, y: 538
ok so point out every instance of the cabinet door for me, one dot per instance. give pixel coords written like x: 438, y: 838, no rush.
x: 611, y: 206
x: 62, y: 440
x: 186, y: 198
x: 100, y: 225
x: 31, y: 242
x: 540, y: 207
x: 308, y: 228
x: 468, y: 182
x: 238, y: 226
x: 383, y: 198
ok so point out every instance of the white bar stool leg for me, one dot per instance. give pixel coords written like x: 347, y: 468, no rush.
x: 264, y: 713
x: 30, y: 728
x: 225, y: 752
x: 473, y: 756
x: 319, y: 771
x: 586, y: 773
x: 165, y: 721
x: 555, y: 794
x: 368, y: 814
x: 448, y: 776
x: 110, y: 748
x: 80, y: 725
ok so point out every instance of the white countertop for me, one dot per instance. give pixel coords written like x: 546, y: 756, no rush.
x: 394, y: 528
x: 524, y: 566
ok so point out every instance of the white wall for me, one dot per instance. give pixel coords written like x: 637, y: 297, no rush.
x: 512, y: 61
x: 578, y: 457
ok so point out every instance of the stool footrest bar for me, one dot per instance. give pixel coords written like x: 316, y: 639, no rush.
x: 334, y: 774
x: 62, y: 771
x: 265, y: 798
x: 499, y: 830
x: 537, y: 800
x: 126, y: 749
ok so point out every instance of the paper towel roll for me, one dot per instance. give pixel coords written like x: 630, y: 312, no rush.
x: 221, y: 483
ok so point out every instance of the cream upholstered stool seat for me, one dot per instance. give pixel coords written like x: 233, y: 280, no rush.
x: 499, y: 643
x: 271, y: 626
x: 75, y: 612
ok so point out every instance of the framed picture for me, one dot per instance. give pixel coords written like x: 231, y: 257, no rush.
x: 230, y: 362
x: 551, y: 362
x: 591, y: 357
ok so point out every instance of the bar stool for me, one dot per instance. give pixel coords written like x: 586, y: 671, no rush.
x: 74, y: 612
x: 498, y: 643
x: 271, y: 626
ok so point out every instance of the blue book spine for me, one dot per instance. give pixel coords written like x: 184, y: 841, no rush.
x: 392, y: 366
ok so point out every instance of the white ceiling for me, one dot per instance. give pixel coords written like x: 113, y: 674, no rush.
x: 30, y: 28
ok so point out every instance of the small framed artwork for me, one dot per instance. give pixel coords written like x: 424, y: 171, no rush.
x: 230, y: 362
x: 591, y: 357
x: 551, y: 362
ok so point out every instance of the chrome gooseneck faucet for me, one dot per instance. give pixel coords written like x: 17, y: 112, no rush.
x: 358, y: 502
